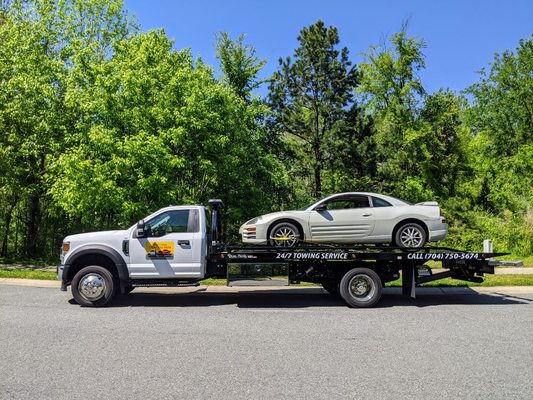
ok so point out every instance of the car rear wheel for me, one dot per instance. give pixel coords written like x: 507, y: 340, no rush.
x: 284, y: 234
x: 410, y: 236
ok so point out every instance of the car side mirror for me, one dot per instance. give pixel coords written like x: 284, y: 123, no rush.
x: 140, y: 228
x: 321, y: 207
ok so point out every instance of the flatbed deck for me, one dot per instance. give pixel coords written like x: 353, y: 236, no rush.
x: 327, y: 264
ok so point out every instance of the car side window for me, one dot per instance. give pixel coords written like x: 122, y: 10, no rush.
x: 348, y: 203
x: 168, y: 222
x: 377, y: 202
x: 341, y: 204
x: 361, y: 202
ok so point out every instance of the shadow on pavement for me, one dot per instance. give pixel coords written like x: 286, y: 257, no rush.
x: 301, y: 299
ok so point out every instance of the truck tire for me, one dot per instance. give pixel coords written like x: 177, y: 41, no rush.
x: 93, y: 286
x: 360, y: 287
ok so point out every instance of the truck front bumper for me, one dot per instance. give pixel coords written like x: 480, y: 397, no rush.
x: 60, y: 269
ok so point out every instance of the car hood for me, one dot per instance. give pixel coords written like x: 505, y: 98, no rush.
x: 271, y: 216
x: 95, y: 236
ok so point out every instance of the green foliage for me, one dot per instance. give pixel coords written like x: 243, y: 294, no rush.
x: 503, y: 100
x: 391, y: 92
x: 239, y: 64
x: 101, y: 124
x: 309, y: 95
x: 389, y: 82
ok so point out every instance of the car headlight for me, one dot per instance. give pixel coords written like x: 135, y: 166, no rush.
x: 253, y: 221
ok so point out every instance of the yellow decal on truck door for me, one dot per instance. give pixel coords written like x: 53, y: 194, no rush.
x: 159, y: 249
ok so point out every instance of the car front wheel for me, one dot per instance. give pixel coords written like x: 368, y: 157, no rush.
x: 284, y: 234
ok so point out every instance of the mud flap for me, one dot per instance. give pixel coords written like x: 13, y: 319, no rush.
x: 408, y: 281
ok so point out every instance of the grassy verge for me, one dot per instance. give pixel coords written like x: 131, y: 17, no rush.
x: 490, y: 280
x: 27, y: 274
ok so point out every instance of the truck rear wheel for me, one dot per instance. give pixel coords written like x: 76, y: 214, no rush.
x: 360, y: 287
x: 93, y: 286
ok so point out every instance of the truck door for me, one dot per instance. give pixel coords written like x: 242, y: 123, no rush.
x: 344, y: 219
x: 171, y: 247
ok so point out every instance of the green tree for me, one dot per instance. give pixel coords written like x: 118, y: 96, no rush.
x: 392, y: 92
x: 502, y: 105
x: 239, y: 64
x: 162, y: 131
x: 441, y: 143
x: 41, y: 45
x: 309, y: 96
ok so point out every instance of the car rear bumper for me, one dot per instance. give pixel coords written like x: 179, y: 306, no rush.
x: 437, y: 235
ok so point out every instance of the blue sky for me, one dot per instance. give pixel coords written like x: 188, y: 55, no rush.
x: 461, y: 36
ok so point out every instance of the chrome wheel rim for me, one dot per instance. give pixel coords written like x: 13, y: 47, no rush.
x: 411, y: 236
x: 92, y: 286
x: 284, y: 237
x: 361, y: 287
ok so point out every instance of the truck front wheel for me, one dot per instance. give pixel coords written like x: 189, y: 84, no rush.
x: 93, y: 286
x: 360, y: 287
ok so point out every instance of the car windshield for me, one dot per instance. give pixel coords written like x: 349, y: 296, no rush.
x: 307, y: 206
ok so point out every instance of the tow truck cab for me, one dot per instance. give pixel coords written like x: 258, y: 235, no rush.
x: 171, y: 243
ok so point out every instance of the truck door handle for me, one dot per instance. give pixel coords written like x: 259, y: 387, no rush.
x: 367, y: 214
x: 184, y: 243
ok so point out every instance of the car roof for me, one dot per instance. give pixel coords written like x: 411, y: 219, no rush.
x: 390, y: 199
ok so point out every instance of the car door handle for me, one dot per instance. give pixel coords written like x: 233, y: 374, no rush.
x: 367, y: 214
x: 184, y: 243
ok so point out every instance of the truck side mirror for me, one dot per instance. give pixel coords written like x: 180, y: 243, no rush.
x: 140, y: 228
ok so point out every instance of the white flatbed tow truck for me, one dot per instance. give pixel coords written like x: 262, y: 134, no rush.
x: 182, y: 245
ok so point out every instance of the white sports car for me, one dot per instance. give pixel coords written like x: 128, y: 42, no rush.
x: 350, y: 218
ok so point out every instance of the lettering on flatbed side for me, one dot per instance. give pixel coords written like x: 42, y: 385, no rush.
x: 444, y: 256
x: 312, y: 256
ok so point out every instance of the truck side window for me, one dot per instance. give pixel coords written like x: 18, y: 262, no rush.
x: 168, y: 222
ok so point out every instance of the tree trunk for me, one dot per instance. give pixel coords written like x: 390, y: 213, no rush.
x: 7, y: 221
x: 33, y: 224
x: 318, y: 169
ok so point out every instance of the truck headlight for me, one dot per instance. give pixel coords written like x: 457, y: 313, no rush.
x: 66, y: 247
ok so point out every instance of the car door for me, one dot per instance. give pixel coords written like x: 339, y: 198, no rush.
x: 170, y: 247
x: 343, y: 219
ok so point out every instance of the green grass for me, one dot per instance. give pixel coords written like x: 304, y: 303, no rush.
x: 37, y: 262
x: 490, y: 280
x: 27, y: 274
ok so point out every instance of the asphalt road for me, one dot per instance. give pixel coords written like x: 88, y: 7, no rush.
x: 277, y: 345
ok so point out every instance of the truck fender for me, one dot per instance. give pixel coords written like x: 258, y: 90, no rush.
x: 100, y: 249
